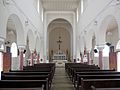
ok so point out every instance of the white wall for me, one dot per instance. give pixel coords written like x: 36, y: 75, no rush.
x: 92, y: 10
x: 30, y: 11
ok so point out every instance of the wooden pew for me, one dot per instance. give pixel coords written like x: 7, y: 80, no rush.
x: 92, y: 72
x: 74, y: 76
x: 94, y: 88
x: 107, y: 76
x: 21, y: 88
x: 24, y: 77
x: 45, y: 65
x: 29, y: 73
x: 42, y: 67
x: 27, y: 77
x: 36, y: 72
x: 70, y: 67
x: 24, y: 84
x: 105, y: 83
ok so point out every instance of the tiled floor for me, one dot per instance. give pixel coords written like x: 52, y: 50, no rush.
x: 61, y: 80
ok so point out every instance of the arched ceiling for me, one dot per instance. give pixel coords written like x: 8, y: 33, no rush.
x: 10, y: 24
x: 59, y: 24
x: 60, y: 5
x: 112, y: 25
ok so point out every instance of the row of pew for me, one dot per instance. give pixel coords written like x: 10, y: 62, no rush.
x: 37, y: 77
x: 91, y: 77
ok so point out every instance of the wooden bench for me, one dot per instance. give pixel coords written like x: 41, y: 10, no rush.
x: 94, y: 73
x: 21, y: 88
x: 27, y: 77
x: 70, y: 67
x: 80, y: 77
x: 24, y: 84
x: 98, y: 83
x: 93, y: 88
x: 88, y: 72
x: 30, y: 73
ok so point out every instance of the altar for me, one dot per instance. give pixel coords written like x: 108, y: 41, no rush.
x: 59, y: 58
x: 60, y: 63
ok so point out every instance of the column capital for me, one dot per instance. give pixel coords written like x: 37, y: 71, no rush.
x: 88, y: 51
x: 22, y: 47
x: 32, y: 51
x: 100, y: 47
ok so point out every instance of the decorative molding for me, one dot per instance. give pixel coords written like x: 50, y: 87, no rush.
x: 95, y: 22
x: 26, y: 23
x: 117, y: 2
x: 6, y: 2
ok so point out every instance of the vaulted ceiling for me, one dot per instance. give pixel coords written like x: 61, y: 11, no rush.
x: 60, y: 5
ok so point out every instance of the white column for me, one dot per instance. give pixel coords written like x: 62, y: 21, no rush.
x: 45, y: 39
x: 1, y: 55
x: 118, y: 61
x: 100, y: 48
x: 74, y: 38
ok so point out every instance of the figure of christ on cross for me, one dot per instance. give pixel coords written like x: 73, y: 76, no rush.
x: 59, y: 42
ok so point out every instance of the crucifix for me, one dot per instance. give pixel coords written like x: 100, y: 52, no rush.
x: 59, y: 42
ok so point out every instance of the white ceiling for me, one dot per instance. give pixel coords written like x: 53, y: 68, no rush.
x: 60, y: 5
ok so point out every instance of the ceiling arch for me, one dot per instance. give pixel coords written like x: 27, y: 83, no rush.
x: 14, y: 27
x: 59, y: 23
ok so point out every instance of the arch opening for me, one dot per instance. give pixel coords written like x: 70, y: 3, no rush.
x: 14, y: 49
x: 14, y: 30
x: 109, y: 32
x: 60, y: 37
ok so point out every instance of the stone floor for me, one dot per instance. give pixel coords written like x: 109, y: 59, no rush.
x: 61, y: 80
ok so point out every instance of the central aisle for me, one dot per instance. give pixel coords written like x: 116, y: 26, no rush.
x: 61, y: 80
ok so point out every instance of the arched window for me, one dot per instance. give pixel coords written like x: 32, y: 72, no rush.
x: 106, y: 51
x: 38, y: 6
x: 2, y: 47
x: 14, y: 49
x: 82, y: 6
x: 77, y: 14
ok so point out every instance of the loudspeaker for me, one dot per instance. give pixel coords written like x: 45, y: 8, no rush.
x: 18, y: 52
x: 24, y: 51
x: 95, y: 51
x: 109, y: 44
